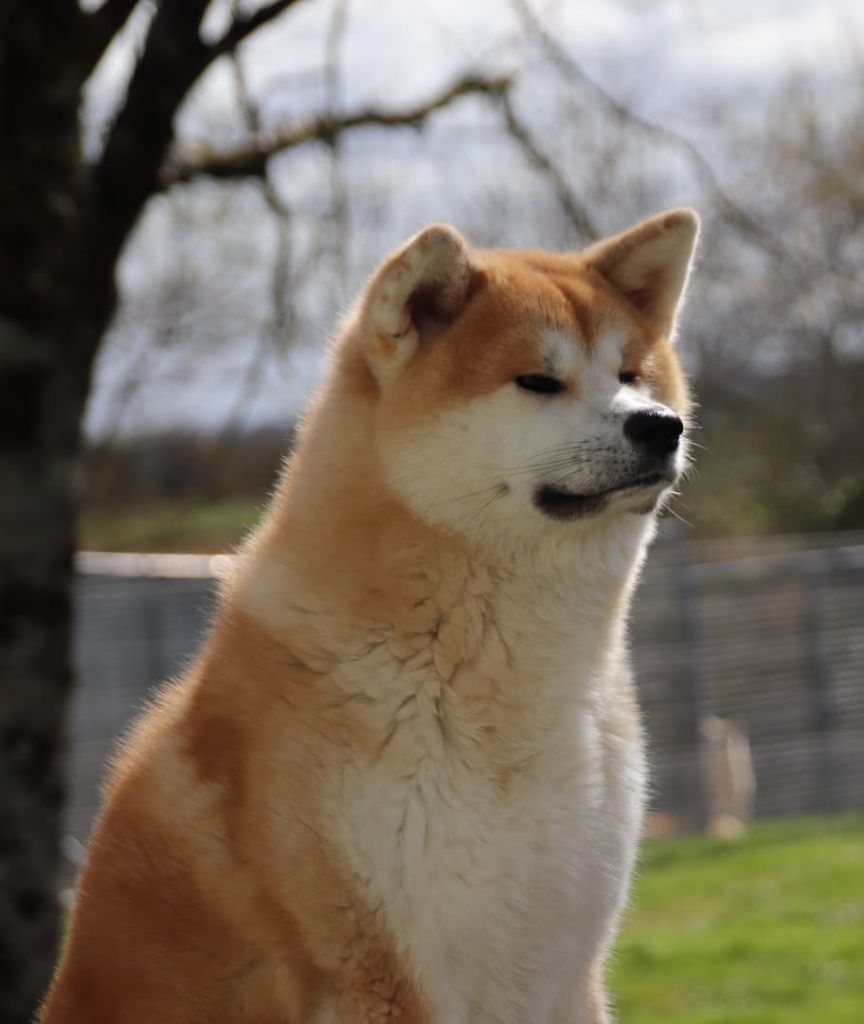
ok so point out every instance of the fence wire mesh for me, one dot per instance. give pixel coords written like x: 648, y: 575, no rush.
x: 773, y: 643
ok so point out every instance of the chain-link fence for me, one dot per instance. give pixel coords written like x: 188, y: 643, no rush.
x: 771, y: 644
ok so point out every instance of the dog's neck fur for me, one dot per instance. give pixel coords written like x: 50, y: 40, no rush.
x: 407, y: 596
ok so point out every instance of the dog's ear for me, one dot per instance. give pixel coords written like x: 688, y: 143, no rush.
x: 417, y: 293
x: 650, y: 263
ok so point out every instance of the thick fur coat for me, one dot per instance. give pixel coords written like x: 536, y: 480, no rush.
x: 404, y: 779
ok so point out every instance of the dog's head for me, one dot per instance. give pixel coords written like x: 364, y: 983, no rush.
x: 522, y: 390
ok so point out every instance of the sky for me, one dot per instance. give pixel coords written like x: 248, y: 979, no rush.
x: 670, y: 60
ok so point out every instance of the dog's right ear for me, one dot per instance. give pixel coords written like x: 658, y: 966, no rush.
x: 416, y: 294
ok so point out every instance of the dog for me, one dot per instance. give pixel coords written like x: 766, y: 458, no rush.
x: 404, y: 780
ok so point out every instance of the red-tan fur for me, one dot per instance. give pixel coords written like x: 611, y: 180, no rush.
x: 214, y: 889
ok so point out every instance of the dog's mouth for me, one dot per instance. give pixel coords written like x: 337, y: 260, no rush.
x: 560, y: 504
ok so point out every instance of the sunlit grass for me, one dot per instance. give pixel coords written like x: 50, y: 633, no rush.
x: 767, y: 930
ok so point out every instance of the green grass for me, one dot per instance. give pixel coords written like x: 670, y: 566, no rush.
x: 212, y: 526
x: 765, y: 930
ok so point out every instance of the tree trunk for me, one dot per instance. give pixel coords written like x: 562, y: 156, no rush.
x: 37, y: 523
x: 55, y: 302
x: 62, y: 228
x: 45, y: 375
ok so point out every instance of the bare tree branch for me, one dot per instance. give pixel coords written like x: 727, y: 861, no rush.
x: 274, y: 334
x: 734, y: 213
x: 127, y: 173
x: 250, y: 159
x: 575, y: 211
x: 338, y: 221
x: 105, y: 22
x: 243, y: 26
x: 174, y: 57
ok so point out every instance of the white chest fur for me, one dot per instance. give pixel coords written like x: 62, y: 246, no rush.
x: 495, y: 826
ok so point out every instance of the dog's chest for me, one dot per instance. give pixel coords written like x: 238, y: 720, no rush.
x: 497, y: 878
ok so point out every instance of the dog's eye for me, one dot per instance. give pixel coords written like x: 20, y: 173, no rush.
x: 540, y: 383
x: 628, y: 377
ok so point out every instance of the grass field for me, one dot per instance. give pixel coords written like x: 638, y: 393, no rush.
x: 170, y: 526
x: 766, y: 930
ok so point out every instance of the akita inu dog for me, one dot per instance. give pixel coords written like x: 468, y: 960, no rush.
x: 404, y: 780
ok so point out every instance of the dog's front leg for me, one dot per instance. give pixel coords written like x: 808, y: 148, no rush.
x: 583, y: 1001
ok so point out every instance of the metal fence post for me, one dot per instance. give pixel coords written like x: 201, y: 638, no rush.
x: 688, y: 599
x: 822, y: 717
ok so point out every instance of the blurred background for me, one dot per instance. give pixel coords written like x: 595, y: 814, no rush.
x: 185, y: 212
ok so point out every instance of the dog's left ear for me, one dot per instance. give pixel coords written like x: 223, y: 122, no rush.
x: 650, y: 263
x: 417, y: 293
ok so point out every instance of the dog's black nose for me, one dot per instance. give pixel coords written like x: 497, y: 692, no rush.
x: 657, y: 432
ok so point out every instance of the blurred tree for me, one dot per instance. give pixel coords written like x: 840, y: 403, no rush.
x: 64, y: 223
x: 781, y: 378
